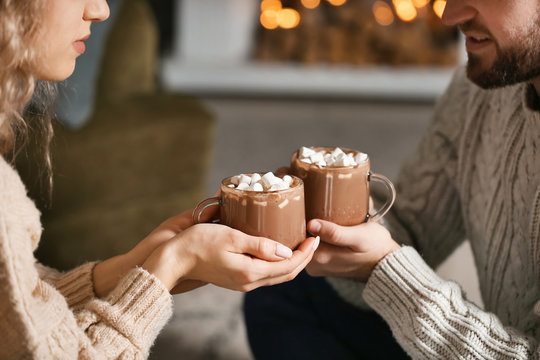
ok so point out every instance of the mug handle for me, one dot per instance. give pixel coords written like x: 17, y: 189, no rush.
x: 203, y: 205
x: 389, y: 200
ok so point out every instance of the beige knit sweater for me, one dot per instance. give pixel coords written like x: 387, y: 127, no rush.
x: 45, y: 314
x: 475, y: 176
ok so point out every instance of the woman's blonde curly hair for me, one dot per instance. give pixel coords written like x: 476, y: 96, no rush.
x: 19, y: 30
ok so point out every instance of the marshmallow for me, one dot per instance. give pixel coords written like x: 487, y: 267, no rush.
x: 288, y: 179
x: 256, y: 187
x: 337, y: 157
x: 337, y: 152
x: 245, y: 179
x: 279, y: 186
x: 255, y: 179
x: 305, y: 152
x: 242, y: 186
x: 269, y: 179
x: 360, y: 157
x: 315, y: 158
x: 267, y: 182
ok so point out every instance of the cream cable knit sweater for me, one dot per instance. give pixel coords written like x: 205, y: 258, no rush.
x: 45, y: 314
x: 476, y: 176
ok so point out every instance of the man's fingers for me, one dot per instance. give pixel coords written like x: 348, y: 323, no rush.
x: 332, y: 233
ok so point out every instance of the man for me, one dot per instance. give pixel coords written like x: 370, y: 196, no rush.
x: 475, y: 176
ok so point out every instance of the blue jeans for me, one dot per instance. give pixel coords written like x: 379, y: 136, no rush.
x: 306, y: 319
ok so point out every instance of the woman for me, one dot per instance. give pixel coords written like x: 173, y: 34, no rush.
x: 115, y: 308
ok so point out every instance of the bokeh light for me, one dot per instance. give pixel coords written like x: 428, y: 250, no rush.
x: 438, y: 7
x: 288, y: 18
x: 405, y: 10
x: 420, y: 3
x: 269, y: 19
x: 311, y: 4
x: 337, y: 2
x: 274, y: 5
x: 383, y: 13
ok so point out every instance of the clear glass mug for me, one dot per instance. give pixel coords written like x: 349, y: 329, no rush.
x: 340, y: 194
x: 278, y: 215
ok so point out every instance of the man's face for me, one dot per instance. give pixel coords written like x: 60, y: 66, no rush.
x: 502, y: 39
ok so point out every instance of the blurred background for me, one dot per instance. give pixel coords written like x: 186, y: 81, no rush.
x: 174, y: 95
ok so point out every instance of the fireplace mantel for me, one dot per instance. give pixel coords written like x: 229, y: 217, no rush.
x: 211, y: 56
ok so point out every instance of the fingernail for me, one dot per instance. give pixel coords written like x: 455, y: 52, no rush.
x: 315, y: 226
x: 283, y: 251
x: 316, y: 242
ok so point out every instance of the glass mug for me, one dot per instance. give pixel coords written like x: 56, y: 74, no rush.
x: 278, y: 215
x: 340, y: 194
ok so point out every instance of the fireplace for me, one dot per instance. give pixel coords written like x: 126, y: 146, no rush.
x: 331, y: 48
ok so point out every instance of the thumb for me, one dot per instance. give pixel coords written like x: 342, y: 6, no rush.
x: 332, y: 233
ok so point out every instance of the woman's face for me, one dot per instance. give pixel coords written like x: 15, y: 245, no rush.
x: 65, y: 27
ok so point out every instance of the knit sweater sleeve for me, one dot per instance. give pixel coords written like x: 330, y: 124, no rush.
x: 36, y: 319
x: 430, y: 318
x: 427, y: 212
x: 46, y: 314
x: 75, y: 285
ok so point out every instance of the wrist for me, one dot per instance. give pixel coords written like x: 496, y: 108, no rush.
x: 107, y: 273
x: 165, y: 265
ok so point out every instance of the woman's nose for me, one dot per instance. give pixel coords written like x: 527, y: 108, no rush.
x: 96, y: 10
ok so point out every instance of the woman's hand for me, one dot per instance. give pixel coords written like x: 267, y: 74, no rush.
x: 107, y: 273
x: 226, y: 257
x: 349, y: 251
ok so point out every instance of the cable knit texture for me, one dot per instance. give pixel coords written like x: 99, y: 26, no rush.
x: 46, y: 314
x: 475, y: 176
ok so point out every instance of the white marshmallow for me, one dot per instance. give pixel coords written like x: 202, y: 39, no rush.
x: 255, y: 178
x: 342, y: 160
x: 256, y: 187
x: 279, y: 186
x: 235, y: 180
x: 242, y: 186
x: 360, y: 157
x: 245, y: 179
x: 306, y: 160
x: 288, y: 179
x: 321, y: 163
x: 231, y: 185
x: 305, y: 152
x: 269, y: 179
x: 315, y: 158
x: 337, y: 152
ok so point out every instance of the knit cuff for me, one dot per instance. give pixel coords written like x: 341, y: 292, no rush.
x: 77, y: 285
x: 396, y: 284
x: 349, y: 290
x: 138, y: 308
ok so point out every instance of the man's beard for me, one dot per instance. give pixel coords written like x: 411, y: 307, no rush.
x: 515, y: 64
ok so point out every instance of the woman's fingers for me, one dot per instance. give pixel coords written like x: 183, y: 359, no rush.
x: 262, y: 248
x: 285, y: 270
x: 262, y: 272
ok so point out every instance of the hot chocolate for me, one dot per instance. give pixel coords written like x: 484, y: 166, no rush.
x: 336, y: 184
x: 265, y: 207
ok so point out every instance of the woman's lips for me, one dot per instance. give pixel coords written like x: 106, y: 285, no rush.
x: 79, y: 46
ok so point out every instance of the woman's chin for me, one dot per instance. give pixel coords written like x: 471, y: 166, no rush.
x: 57, y: 74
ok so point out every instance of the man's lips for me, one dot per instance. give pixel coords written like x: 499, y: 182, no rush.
x: 476, y: 42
